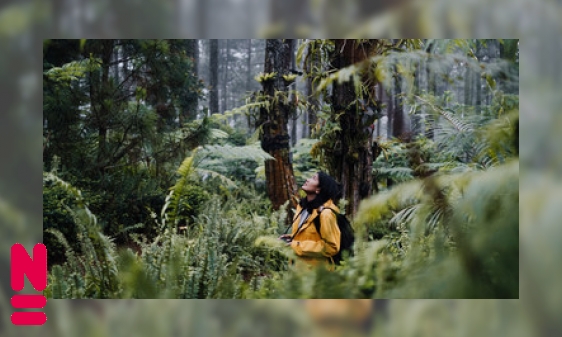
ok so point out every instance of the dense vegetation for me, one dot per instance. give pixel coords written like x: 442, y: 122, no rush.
x: 148, y: 195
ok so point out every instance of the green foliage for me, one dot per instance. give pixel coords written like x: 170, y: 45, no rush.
x: 446, y: 229
x: 401, y: 162
x: 453, y: 236
x: 304, y: 164
x: 93, y: 272
x: 215, y: 258
x: 231, y: 162
x: 191, y: 203
x: 447, y: 221
x: 261, y: 77
x: 172, y: 204
x: 258, y: 102
x: 74, y: 70
x: 57, y: 217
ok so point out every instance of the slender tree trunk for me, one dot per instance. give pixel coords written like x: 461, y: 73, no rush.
x: 390, y: 112
x: 249, y: 67
x: 417, y: 126
x: 103, y: 100
x: 293, y: 124
x: 477, y: 79
x: 115, y: 70
x: 190, y: 110
x: 467, y: 87
x: 313, y: 60
x: 225, y: 77
x: 380, y: 92
x: 275, y: 139
x: 381, y: 97
x: 214, y: 81
x: 293, y: 106
x: 305, y: 125
x: 399, y: 122
x: 249, y: 78
x: 509, y: 51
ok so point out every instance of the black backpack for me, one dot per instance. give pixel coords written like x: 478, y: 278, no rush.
x: 347, y: 237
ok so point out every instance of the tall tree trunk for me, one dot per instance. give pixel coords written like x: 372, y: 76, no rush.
x: 352, y: 158
x: 293, y: 106
x: 192, y: 51
x: 477, y: 78
x: 249, y: 78
x: 305, y: 121
x: 294, y: 122
x: 224, y: 96
x: 103, y: 100
x: 214, y: 81
x: 275, y: 139
x: 399, y: 123
x: 390, y: 112
x: 417, y: 125
x: 509, y: 51
x: 467, y: 88
x: 249, y: 67
x: 313, y: 60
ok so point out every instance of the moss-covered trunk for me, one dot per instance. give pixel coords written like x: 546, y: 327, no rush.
x: 275, y: 138
x: 351, y: 160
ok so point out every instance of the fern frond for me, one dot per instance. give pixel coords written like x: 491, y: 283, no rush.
x: 456, y: 122
x: 209, y: 173
x: 396, y: 173
x: 173, y: 200
x: 67, y: 187
x: 247, y: 152
x: 218, y: 134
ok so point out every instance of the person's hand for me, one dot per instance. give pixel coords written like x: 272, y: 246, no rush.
x: 287, y: 238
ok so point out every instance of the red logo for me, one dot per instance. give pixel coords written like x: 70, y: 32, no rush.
x: 36, y: 271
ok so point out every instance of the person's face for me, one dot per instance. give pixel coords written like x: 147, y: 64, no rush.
x: 311, y: 185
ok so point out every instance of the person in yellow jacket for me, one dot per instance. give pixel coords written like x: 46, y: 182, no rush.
x: 310, y: 246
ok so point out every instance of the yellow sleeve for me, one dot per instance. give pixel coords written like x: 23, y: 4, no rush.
x: 328, y: 246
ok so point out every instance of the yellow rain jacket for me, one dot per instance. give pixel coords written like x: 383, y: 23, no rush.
x: 311, y: 247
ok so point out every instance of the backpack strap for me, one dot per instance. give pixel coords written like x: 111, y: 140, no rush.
x: 317, y: 219
x: 294, y: 218
x: 317, y: 225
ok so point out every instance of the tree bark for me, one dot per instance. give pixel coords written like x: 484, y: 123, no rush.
x: 224, y: 96
x: 214, y: 81
x: 275, y: 139
x: 351, y: 160
x: 103, y: 99
x: 192, y: 51
x: 249, y: 79
x: 312, y: 61
x: 399, y: 122
x: 293, y: 112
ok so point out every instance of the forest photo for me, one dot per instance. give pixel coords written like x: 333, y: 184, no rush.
x: 171, y: 168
